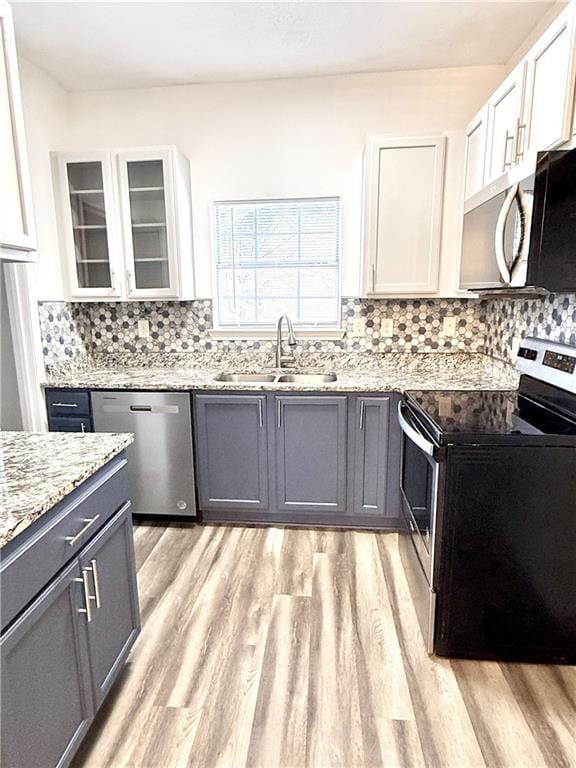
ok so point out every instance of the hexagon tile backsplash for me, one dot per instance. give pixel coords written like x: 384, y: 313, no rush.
x: 74, y: 330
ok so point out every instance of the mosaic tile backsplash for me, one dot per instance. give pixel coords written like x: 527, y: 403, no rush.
x: 74, y: 331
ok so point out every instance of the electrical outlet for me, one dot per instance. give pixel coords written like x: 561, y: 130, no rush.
x: 358, y: 326
x: 516, y: 344
x: 387, y: 328
x: 449, y: 326
x: 143, y: 328
x: 445, y: 406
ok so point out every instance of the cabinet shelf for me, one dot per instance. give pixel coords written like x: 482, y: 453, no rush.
x: 146, y: 189
x: 149, y: 224
x: 92, y: 261
x: 89, y: 226
x: 86, y: 191
x: 154, y: 259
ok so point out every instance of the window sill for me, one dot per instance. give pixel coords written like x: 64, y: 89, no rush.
x: 260, y: 333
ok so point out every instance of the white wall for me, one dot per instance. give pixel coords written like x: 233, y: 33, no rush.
x: 46, y: 123
x: 283, y: 138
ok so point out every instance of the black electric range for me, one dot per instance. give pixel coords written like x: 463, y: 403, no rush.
x: 488, y: 495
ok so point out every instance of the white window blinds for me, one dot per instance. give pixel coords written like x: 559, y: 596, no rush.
x: 277, y: 257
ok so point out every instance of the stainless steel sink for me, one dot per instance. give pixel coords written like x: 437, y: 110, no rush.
x: 254, y: 378
x: 306, y: 378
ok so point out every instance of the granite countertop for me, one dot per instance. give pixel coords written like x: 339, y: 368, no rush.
x: 38, y: 469
x: 356, y: 373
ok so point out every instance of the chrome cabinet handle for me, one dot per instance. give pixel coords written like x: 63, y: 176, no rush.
x: 65, y: 405
x: 96, y: 579
x: 509, y: 138
x: 520, y: 133
x: 260, y: 416
x: 373, y: 277
x: 362, y: 412
x: 87, y: 596
x: 279, y: 414
x: 89, y: 522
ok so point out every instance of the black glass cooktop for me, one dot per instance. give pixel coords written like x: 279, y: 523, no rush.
x: 487, y: 416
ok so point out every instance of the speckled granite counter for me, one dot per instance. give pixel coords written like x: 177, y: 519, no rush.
x: 366, y: 373
x: 37, y: 470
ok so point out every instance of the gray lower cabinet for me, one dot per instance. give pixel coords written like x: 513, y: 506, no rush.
x: 311, y: 453
x: 232, y: 452
x: 61, y: 652
x: 115, y: 619
x: 46, y: 695
x: 316, y: 459
x: 371, y: 456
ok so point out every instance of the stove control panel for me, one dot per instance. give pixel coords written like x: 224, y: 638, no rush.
x: 560, y: 362
x: 548, y: 361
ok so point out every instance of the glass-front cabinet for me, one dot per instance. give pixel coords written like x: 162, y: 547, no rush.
x: 127, y: 224
x: 88, y: 232
x: 146, y: 205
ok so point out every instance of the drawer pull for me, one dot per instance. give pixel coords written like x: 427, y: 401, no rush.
x: 65, y: 405
x: 87, y: 595
x: 94, y: 569
x: 89, y: 521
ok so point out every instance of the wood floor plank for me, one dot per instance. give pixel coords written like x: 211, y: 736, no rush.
x: 334, y: 735
x: 278, y: 736
x: 380, y: 665
x: 295, y: 571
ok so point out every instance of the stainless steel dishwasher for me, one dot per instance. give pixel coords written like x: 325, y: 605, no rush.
x: 160, y: 460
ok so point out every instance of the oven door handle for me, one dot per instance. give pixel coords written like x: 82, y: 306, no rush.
x: 413, y: 434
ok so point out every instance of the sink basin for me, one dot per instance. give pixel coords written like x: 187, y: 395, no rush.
x: 306, y: 378
x: 253, y: 378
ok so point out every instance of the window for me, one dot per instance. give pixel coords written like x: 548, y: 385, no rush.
x: 277, y: 257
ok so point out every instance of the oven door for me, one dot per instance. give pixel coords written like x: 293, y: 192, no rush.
x: 419, y: 492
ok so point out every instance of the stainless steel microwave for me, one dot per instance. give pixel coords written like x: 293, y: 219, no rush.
x: 522, y: 234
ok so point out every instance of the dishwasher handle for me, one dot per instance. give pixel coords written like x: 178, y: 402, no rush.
x: 132, y: 408
x: 145, y: 408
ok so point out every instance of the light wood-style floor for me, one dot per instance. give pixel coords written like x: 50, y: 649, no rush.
x: 271, y: 647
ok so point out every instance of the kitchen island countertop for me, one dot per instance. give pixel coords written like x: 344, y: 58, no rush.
x: 37, y: 470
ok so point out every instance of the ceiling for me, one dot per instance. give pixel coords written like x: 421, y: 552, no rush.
x: 111, y: 45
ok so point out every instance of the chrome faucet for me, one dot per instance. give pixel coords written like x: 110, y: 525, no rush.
x: 280, y: 358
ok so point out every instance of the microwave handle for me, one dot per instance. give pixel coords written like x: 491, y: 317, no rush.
x: 413, y: 435
x: 500, y: 233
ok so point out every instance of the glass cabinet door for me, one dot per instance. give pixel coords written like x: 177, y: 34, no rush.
x: 89, y: 226
x: 147, y: 198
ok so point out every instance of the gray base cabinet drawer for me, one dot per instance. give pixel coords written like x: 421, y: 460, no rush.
x: 44, y: 548
x: 67, y: 402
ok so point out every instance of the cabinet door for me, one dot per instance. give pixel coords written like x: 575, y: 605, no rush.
x: 232, y: 451
x: 311, y: 443
x: 89, y: 231
x: 404, y: 182
x: 46, y: 697
x: 371, y: 455
x: 148, y: 222
x: 108, y: 562
x: 550, y: 89
x: 504, y: 111
x: 17, y: 236
x: 476, y: 133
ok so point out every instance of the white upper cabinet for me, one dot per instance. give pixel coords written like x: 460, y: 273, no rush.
x: 504, y: 114
x: 17, y: 237
x: 126, y: 224
x: 88, y: 231
x: 476, y: 134
x: 549, y: 97
x: 404, y: 182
